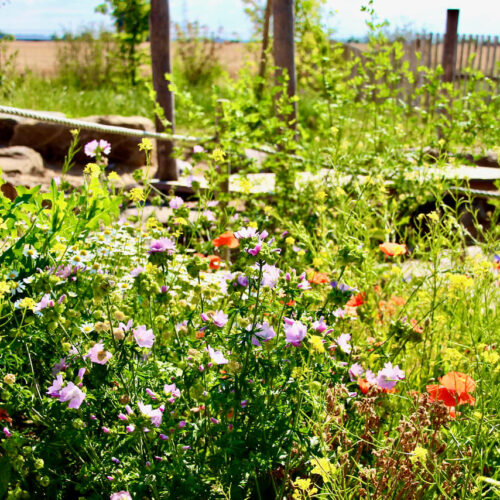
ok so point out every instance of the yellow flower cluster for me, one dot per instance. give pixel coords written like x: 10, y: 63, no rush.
x: 137, y: 195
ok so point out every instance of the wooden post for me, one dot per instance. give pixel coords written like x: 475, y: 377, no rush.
x: 450, y: 45
x: 284, y: 48
x: 220, y: 126
x: 265, y: 47
x: 159, y: 25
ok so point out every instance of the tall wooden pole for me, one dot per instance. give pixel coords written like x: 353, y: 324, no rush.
x: 284, y: 47
x: 450, y: 45
x: 265, y: 47
x: 159, y: 25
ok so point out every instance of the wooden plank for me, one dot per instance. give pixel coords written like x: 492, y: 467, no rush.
x: 159, y: 24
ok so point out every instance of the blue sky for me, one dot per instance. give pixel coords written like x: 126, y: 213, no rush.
x: 54, y: 16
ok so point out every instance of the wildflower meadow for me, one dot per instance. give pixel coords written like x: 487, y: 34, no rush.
x: 334, y: 335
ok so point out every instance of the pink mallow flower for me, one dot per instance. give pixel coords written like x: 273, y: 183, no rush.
x: 92, y: 147
x: 56, y: 386
x: 155, y: 415
x: 98, y: 355
x: 120, y: 495
x: 389, y: 376
x: 171, y: 390
x: 295, y: 332
x: 45, y: 301
x: 219, y: 318
x: 264, y: 332
x: 355, y: 371
x: 176, y: 203
x: 143, y: 337
x: 217, y: 357
x: 73, y: 394
x: 343, y: 342
x: 162, y: 245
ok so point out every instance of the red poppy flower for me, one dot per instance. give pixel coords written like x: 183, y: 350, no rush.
x: 364, y: 385
x: 393, y: 249
x: 356, y: 300
x: 226, y: 239
x: 214, y: 261
x: 5, y: 416
x: 319, y: 278
x: 453, y: 389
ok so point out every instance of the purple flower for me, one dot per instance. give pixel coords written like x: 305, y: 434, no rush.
x: 163, y: 437
x: 7, y: 432
x: 295, y: 332
x: 263, y: 235
x: 115, y: 460
x: 264, y: 331
x: 304, y: 285
x: 91, y: 148
x: 98, y: 355
x: 182, y: 424
x: 130, y: 428
x: 198, y: 149
x: 155, y: 415
x: 143, y: 337
x: 105, y: 430
x: 209, y: 215
x: 73, y: 394
x: 122, y: 416
x: 244, y: 403
x: 370, y: 377
x: 59, y: 367
x: 204, y: 317
x: 320, y: 326
x: 81, y: 373
x: 176, y: 203
x: 255, y: 250
x: 56, y: 386
x: 219, y: 318
x: 389, y: 376
x: 217, y: 356
x: 214, y: 420
x: 171, y: 390
x: 162, y: 245
x: 343, y: 342
x: 355, y: 371
x: 136, y: 271
x: 150, y: 393
x: 242, y: 280
x: 342, y: 287
x: 46, y: 301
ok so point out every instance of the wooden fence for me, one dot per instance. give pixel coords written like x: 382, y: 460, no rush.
x: 473, y: 52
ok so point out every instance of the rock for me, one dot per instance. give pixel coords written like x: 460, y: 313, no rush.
x: 52, y: 141
x: 7, y: 125
x: 21, y: 160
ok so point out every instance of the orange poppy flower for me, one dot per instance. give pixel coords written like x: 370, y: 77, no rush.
x: 319, y: 278
x: 364, y: 385
x: 393, y: 249
x: 200, y: 334
x: 416, y: 328
x: 453, y: 389
x: 356, y: 300
x: 290, y: 303
x: 214, y: 261
x: 226, y: 239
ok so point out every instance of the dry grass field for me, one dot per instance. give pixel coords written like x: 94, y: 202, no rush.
x: 41, y: 57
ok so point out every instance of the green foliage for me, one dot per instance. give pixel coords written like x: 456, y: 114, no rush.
x: 132, y: 25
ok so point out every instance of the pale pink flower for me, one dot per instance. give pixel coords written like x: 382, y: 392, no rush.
x: 295, y: 332
x: 98, y: 355
x: 217, y: 357
x: 144, y: 337
x: 73, y: 394
x: 92, y: 147
x: 155, y: 415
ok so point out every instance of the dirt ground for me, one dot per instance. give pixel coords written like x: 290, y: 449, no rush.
x: 41, y: 57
